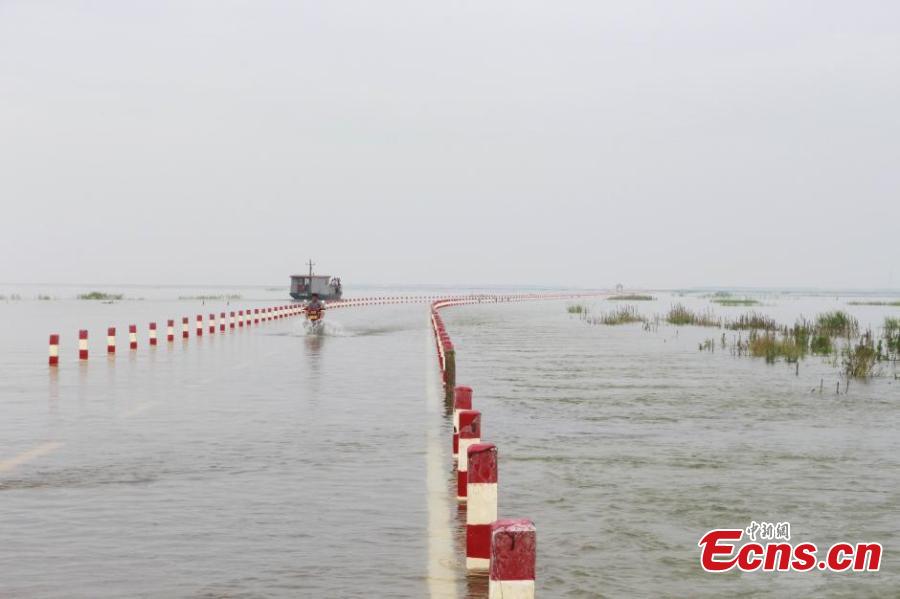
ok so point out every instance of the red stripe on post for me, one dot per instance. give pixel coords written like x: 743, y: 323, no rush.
x: 53, y: 358
x: 170, y: 330
x: 469, y: 434
x: 152, y: 333
x: 184, y: 328
x: 212, y: 324
x: 462, y: 400
x: 132, y: 336
x: 199, y: 325
x: 111, y: 340
x: 513, y: 549
x: 82, y: 345
x: 222, y: 322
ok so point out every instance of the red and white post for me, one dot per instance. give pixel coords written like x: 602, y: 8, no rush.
x: 481, y: 507
x: 231, y: 320
x: 54, y: 350
x: 111, y: 340
x: 82, y: 345
x: 212, y: 324
x: 513, y: 557
x: 240, y: 319
x: 462, y: 400
x: 185, y: 331
x: 255, y: 315
x: 469, y: 434
x: 170, y: 330
x: 199, y: 325
x: 152, y: 333
x: 132, y: 336
x: 221, y: 322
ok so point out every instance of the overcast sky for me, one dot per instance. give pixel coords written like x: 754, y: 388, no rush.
x: 658, y: 144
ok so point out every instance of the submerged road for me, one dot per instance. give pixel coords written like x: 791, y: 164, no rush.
x: 264, y: 462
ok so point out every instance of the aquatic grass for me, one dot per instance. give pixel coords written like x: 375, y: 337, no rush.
x: 99, y: 295
x: 724, y: 301
x: 634, y: 297
x: 576, y: 309
x: 860, y: 359
x: 837, y: 323
x: 895, y: 303
x: 621, y: 315
x: 752, y: 320
x: 680, y: 315
x: 772, y: 346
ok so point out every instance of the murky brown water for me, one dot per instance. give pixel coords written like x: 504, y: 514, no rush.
x: 269, y: 463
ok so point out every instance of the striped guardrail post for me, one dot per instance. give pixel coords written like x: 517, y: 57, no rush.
x: 481, y: 507
x: 240, y: 318
x: 513, y: 557
x: 212, y: 324
x: 132, y: 336
x: 111, y: 340
x: 82, y: 345
x: 199, y: 325
x: 231, y: 320
x: 462, y: 400
x: 469, y: 434
x: 53, y: 357
x: 255, y: 315
x: 152, y: 333
x: 221, y: 322
x: 170, y: 330
x: 185, y: 331
x: 449, y: 372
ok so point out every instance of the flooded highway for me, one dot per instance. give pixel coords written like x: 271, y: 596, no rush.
x: 269, y: 463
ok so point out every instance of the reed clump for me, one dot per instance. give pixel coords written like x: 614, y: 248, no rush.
x: 99, y: 295
x: 634, y: 297
x: 681, y: 315
x: 837, y: 324
x: 576, y: 309
x: 752, y: 320
x: 621, y: 315
x: 876, y: 303
x: 731, y: 301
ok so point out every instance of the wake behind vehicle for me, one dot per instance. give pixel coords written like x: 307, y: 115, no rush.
x: 315, y: 319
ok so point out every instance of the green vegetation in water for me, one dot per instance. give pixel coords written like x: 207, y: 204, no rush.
x: 752, y: 320
x: 680, y: 315
x: 837, y: 323
x: 44, y: 298
x: 876, y: 303
x: 634, y: 297
x: 860, y: 359
x: 234, y: 296
x: 99, y: 295
x: 576, y: 309
x: 726, y: 301
x: 621, y: 315
x: 771, y: 346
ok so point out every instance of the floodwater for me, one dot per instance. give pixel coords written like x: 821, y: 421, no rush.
x: 270, y: 463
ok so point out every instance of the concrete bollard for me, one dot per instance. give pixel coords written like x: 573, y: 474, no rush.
x: 152, y: 333
x: 469, y: 434
x: 462, y: 400
x: 212, y: 324
x: 513, y: 557
x: 111, y: 340
x: 221, y: 322
x: 449, y: 371
x: 481, y: 507
x: 185, y: 332
x: 170, y: 330
x: 54, y: 350
x: 199, y: 325
x: 82, y: 345
x: 132, y: 336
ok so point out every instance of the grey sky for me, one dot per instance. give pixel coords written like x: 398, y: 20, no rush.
x: 586, y: 143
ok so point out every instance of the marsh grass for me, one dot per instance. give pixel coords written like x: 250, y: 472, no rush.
x: 875, y: 303
x: 837, y: 324
x: 726, y: 301
x: 680, y: 315
x: 752, y: 320
x: 621, y: 315
x: 99, y: 295
x: 634, y: 297
x: 576, y: 309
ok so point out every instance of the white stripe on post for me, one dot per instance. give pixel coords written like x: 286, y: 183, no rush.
x: 111, y: 340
